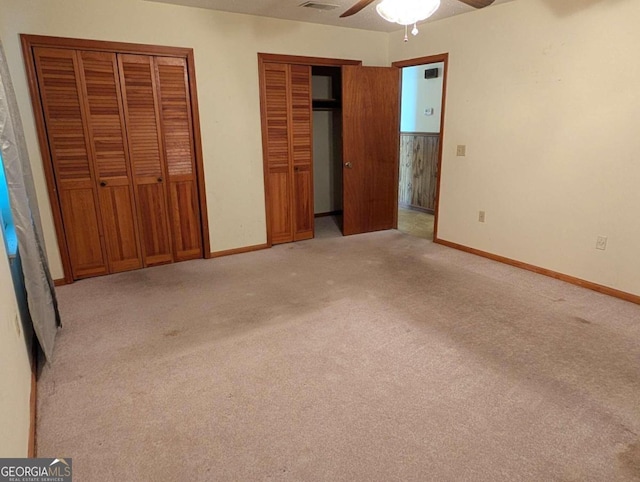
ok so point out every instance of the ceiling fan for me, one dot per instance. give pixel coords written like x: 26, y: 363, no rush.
x: 408, y: 12
x: 365, y: 3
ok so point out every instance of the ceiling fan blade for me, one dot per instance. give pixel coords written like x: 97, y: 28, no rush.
x: 357, y: 7
x: 478, y: 3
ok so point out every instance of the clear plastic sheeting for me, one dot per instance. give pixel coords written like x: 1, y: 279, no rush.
x: 41, y: 298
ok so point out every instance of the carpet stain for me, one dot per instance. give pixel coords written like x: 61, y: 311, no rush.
x: 630, y: 460
x: 582, y: 320
x: 172, y: 333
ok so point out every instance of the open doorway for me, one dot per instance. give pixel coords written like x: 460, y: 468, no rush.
x: 364, y: 172
x: 422, y: 116
x: 326, y: 91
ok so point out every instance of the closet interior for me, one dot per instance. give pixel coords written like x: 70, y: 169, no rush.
x: 327, y: 141
x: 301, y: 107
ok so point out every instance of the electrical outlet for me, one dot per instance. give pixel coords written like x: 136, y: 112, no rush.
x: 481, y: 216
x: 461, y: 151
x: 601, y: 243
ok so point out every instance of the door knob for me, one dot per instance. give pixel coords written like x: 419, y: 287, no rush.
x: 103, y: 183
x: 348, y: 165
x: 159, y: 179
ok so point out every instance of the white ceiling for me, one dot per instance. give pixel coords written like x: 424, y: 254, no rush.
x: 366, y: 19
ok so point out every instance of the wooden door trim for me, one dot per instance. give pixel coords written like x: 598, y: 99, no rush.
x: 104, y: 46
x: 263, y: 129
x: 432, y: 59
x: 29, y: 42
x: 197, y: 139
x: 290, y: 60
x: 311, y: 61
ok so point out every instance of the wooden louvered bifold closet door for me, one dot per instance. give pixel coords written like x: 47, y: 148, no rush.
x: 120, y: 132
x: 288, y: 151
x: 301, y: 152
x: 276, y: 104
x: 107, y: 134
x: 65, y: 119
x: 137, y: 74
x: 175, y: 114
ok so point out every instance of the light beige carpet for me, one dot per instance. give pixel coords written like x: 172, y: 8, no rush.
x: 373, y: 357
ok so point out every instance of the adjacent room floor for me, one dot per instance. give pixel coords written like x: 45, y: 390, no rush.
x: 373, y: 357
x: 415, y: 223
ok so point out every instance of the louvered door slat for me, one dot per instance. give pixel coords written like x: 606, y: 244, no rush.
x: 60, y: 89
x: 276, y: 117
x: 146, y: 154
x: 175, y: 110
x: 111, y: 160
x: 302, y: 148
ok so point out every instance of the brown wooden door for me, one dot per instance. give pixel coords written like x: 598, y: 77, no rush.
x: 370, y: 131
x: 107, y: 136
x: 175, y: 114
x: 60, y: 90
x: 137, y: 76
x: 277, y: 151
x: 287, y: 115
x: 301, y: 138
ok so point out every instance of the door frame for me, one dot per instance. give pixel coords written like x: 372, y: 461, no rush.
x: 29, y: 42
x: 291, y: 60
x: 432, y: 59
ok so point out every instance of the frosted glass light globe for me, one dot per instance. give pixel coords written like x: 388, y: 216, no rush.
x: 407, y: 12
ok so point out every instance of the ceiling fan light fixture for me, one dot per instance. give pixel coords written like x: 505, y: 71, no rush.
x: 407, y: 12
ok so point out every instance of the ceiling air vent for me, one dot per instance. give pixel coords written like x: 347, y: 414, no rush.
x: 319, y: 5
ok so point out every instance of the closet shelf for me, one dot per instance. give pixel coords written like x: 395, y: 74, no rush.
x: 326, y: 104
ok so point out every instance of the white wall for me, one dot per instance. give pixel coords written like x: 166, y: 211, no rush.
x: 15, y: 370
x: 225, y: 47
x: 327, y: 162
x: 419, y: 94
x: 546, y: 96
x: 543, y: 93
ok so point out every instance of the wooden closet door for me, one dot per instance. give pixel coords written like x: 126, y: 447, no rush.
x: 107, y: 134
x: 177, y: 128
x: 276, y: 115
x: 137, y: 77
x: 60, y: 90
x: 301, y: 151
